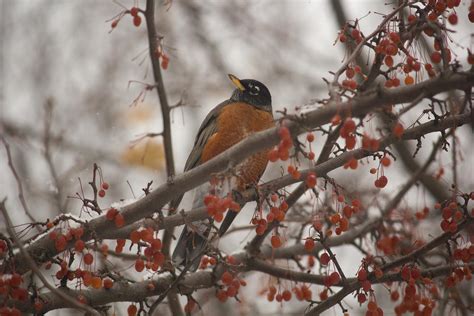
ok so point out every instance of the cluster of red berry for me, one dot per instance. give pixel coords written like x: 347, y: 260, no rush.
x: 153, y: 255
x: 465, y: 254
x: 388, y: 244
x: 351, y: 72
x: 452, y: 215
x: 216, y: 206
x: 278, y: 210
x: 230, y: 286
x: 347, y: 132
x: 10, y: 289
x: 391, y: 44
x: 207, y: 261
x: 354, y: 34
x: 103, y: 187
x: 61, y: 240
x: 415, y: 301
x: 458, y: 275
x: 302, y: 293
x: 282, y: 151
x: 114, y: 215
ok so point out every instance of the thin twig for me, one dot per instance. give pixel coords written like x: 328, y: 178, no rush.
x: 21, y: 194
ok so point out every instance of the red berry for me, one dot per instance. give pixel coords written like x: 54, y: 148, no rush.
x: 355, y: 33
x: 311, y: 180
x: 309, y: 244
x: 383, y: 181
x: 119, y: 220
x: 156, y: 244
x: 372, y: 306
x: 388, y: 61
x: 108, y: 283
x: 361, y: 298
x: 453, y: 18
x: 350, y: 72
x: 398, y: 130
x: 349, y: 125
x: 336, y: 119
x: 139, y: 265
x: 38, y: 305
x: 470, y: 58
x: 273, y: 155
x: 276, y: 241
x: 189, y: 307
x: 53, y: 235
x: 165, y: 60
x: 334, y: 277
x: 362, y: 275
x: 79, y: 245
x: 105, y: 185
x: 111, y: 213
x: 96, y: 282
x: 88, y: 259
x: 132, y: 310
x: 134, y: 11
x: 15, y: 280
x: 137, y: 20
x: 391, y: 49
x: 286, y: 295
x: 436, y: 57
x: 221, y: 295
x: 101, y: 193
x: 394, y: 37
x: 350, y: 142
x: 227, y: 278
x: 324, y: 259
x: 60, y: 242
x: 385, y: 161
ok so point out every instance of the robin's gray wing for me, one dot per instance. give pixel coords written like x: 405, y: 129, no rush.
x: 192, y: 242
x: 207, y: 129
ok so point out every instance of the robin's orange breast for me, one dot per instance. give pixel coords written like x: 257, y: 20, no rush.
x: 235, y: 122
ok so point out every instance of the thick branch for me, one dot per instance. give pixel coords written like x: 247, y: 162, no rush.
x: 43, y: 249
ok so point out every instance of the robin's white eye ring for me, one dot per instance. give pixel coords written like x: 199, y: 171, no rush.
x: 254, y: 90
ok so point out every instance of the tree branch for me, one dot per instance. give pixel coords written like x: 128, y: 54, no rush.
x: 43, y: 248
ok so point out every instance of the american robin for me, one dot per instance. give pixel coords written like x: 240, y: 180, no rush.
x: 247, y: 111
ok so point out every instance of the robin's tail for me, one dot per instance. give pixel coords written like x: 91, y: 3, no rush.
x: 190, y: 247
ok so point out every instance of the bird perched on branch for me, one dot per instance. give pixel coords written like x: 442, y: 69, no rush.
x: 247, y: 111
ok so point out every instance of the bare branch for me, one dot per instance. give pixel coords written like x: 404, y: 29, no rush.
x: 21, y: 194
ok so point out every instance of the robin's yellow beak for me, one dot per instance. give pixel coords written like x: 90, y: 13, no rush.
x: 236, y: 82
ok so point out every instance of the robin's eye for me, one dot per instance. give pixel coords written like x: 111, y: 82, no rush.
x: 254, y: 90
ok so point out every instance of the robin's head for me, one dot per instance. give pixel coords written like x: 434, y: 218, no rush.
x: 252, y: 92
